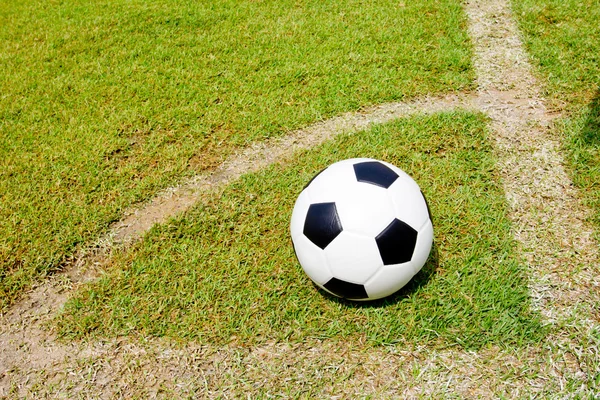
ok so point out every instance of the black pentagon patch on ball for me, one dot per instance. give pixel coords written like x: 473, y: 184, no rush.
x: 322, y: 224
x: 396, y: 242
x: 346, y: 290
x: 375, y: 173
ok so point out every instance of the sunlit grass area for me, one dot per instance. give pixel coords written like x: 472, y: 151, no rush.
x: 226, y: 270
x: 103, y: 103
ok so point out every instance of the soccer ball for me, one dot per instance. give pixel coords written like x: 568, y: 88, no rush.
x: 361, y: 229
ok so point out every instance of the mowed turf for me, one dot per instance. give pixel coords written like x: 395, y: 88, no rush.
x: 103, y: 103
x: 226, y: 270
x: 563, y: 38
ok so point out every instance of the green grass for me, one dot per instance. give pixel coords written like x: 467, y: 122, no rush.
x: 226, y: 270
x: 103, y: 103
x: 563, y: 38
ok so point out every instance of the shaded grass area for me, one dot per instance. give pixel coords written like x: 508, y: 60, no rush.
x: 563, y: 38
x: 103, y: 103
x: 226, y: 270
x: 583, y: 133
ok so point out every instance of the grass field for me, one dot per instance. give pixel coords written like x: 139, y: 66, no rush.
x: 562, y: 37
x: 104, y: 103
x: 226, y: 270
